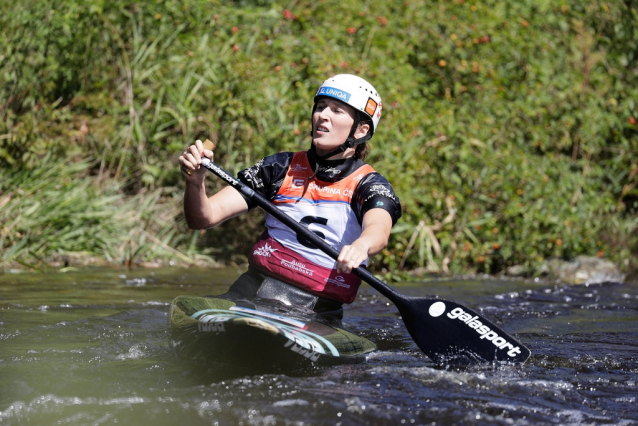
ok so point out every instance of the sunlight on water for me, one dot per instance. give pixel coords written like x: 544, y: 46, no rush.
x: 92, y: 348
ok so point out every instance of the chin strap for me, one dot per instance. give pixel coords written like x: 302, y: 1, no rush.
x: 349, y: 143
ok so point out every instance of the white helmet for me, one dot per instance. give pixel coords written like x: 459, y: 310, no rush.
x: 355, y: 92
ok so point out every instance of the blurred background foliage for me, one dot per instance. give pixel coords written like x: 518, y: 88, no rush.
x: 509, y: 128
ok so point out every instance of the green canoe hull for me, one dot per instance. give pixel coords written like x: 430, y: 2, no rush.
x: 260, y: 335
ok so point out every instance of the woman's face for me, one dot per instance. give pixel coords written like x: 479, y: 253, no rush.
x: 331, y: 124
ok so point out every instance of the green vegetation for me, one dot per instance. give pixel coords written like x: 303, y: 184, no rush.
x: 509, y: 128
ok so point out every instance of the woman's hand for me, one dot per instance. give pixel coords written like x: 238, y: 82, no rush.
x: 352, y: 256
x: 191, y: 161
x: 201, y: 211
x: 376, y: 227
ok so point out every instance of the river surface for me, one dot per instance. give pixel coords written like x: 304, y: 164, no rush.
x: 91, y: 348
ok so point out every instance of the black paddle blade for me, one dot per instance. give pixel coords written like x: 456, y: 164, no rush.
x: 450, y: 333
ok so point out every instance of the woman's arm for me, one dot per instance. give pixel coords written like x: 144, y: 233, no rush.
x: 201, y: 211
x: 376, y: 225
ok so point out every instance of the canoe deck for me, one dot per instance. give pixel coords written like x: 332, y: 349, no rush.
x: 260, y: 335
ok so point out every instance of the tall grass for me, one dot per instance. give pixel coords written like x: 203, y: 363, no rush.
x: 509, y: 128
x: 56, y: 214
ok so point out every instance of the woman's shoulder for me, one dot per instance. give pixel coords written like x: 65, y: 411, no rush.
x: 375, y: 177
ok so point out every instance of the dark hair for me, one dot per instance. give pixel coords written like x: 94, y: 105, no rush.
x: 361, y: 151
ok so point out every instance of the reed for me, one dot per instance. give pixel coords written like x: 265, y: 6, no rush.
x: 58, y: 215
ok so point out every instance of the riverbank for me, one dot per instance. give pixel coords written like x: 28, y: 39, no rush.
x: 509, y: 130
x: 581, y: 270
x: 60, y: 217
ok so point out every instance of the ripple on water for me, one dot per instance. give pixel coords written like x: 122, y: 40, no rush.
x: 51, y: 403
x: 289, y: 402
x: 136, y: 351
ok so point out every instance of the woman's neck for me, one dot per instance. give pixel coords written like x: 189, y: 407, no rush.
x: 335, y: 168
x: 340, y: 156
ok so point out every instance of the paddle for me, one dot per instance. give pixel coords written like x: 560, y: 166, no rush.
x: 445, y: 331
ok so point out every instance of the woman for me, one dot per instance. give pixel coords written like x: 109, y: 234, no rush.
x: 328, y: 187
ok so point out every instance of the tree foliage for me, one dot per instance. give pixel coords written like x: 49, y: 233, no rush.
x: 509, y: 128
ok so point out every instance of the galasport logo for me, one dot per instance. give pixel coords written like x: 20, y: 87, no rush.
x: 265, y: 251
x: 438, y: 308
x: 338, y: 280
x: 296, y: 266
x: 298, y: 168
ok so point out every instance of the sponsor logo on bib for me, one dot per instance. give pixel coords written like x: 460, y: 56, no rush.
x: 338, y: 280
x: 328, y: 189
x: 297, y: 266
x: 264, y: 251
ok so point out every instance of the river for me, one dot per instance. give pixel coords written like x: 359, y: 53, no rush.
x: 91, y: 348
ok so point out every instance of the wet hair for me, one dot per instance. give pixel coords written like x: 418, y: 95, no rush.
x: 361, y: 151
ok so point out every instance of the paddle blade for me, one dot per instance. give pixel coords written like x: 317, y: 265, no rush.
x: 450, y: 333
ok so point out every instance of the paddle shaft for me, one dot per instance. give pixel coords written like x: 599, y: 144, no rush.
x: 299, y: 228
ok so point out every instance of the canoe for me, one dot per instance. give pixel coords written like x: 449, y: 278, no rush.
x: 260, y: 335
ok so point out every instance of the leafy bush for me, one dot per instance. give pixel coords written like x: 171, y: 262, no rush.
x: 513, y: 123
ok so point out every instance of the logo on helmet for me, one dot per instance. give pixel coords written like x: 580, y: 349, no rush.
x: 371, y: 107
x: 334, y: 93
